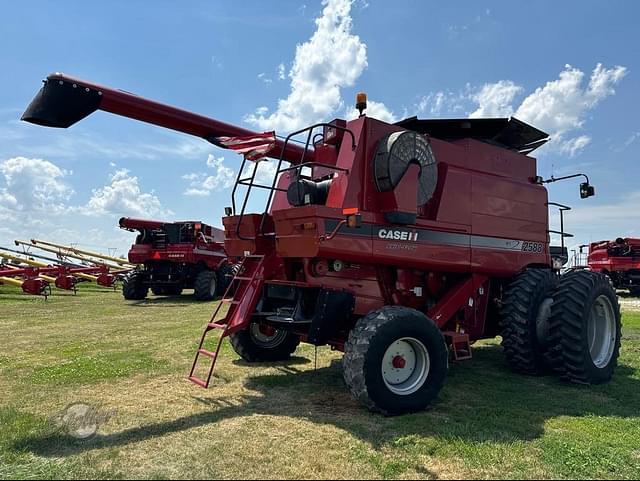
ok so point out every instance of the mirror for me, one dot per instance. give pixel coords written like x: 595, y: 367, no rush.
x: 587, y: 190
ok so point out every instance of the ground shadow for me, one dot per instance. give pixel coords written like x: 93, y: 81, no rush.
x: 163, y: 300
x: 481, y: 401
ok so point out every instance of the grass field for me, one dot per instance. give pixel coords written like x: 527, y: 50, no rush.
x: 285, y: 420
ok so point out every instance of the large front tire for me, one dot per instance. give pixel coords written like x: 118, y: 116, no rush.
x: 395, y: 360
x: 264, y: 344
x: 133, y: 288
x: 585, y: 328
x: 526, y: 306
x: 206, y: 286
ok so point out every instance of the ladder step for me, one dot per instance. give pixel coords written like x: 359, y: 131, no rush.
x: 197, y: 381
x: 216, y: 325
x: 240, y: 278
x: 210, y: 354
x: 229, y: 300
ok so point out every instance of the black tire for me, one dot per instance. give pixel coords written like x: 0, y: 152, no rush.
x: 225, y: 275
x: 634, y: 291
x: 132, y: 287
x: 206, y: 286
x: 254, y: 346
x: 524, y: 317
x: 579, y: 296
x: 365, y: 351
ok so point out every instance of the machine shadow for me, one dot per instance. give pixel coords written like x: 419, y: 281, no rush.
x: 482, y: 401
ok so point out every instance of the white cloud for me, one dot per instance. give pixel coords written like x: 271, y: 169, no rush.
x: 562, y: 104
x: 575, y: 145
x: 559, y: 107
x: 33, y: 185
x: 496, y: 99
x: 333, y: 58
x: 263, y: 76
x: 377, y: 110
x: 202, y: 184
x: 630, y: 140
x: 440, y: 103
x: 281, y: 71
x: 123, y: 196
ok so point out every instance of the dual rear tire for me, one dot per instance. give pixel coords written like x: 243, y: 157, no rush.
x: 569, y: 326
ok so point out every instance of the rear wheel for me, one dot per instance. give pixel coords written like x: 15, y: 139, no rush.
x: 206, y: 286
x: 262, y: 343
x: 526, y: 306
x: 133, y: 288
x: 585, y: 328
x: 395, y: 360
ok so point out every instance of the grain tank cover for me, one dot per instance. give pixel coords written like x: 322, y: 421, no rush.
x: 509, y: 133
x: 396, y: 152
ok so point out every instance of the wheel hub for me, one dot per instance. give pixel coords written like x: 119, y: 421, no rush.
x: 405, y: 366
x: 601, y: 332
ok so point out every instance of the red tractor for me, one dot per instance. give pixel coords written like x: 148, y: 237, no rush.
x: 619, y: 260
x: 174, y: 256
x: 398, y: 244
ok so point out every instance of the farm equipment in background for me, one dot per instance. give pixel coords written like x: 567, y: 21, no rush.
x: 175, y: 256
x: 92, y: 257
x: 619, y: 260
x: 398, y: 244
x: 36, y: 277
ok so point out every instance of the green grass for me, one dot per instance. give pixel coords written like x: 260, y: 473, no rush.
x: 286, y: 419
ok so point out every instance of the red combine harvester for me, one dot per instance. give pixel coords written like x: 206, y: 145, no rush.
x: 398, y: 244
x: 176, y: 256
x: 619, y: 260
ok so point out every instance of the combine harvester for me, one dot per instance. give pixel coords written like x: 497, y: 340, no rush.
x: 398, y: 244
x: 173, y: 256
x: 619, y: 260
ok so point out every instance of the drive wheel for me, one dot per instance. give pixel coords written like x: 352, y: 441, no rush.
x: 133, y: 288
x: 395, y: 360
x: 206, y: 286
x: 585, y: 328
x: 526, y: 306
x: 260, y: 343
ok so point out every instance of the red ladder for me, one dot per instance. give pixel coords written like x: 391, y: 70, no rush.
x: 240, y: 296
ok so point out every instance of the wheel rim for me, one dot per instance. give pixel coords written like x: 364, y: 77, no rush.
x: 601, y: 331
x: 405, y: 366
x: 266, y: 339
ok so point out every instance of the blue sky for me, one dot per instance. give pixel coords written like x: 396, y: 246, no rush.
x: 570, y: 68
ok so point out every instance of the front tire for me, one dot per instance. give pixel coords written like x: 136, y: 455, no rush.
x: 395, y: 360
x: 585, y: 328
x: 206, y: 286
x: 133, y: 288
x: 264, y: 344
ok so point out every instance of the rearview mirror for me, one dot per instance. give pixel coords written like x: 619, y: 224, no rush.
x: 587, y: 190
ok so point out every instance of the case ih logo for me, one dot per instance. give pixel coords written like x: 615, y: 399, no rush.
x: 402, y: 235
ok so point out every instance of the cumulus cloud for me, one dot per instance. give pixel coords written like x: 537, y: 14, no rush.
x: 560, y: 107
x: 333, y: 58
x: 281, y: 71
x: 123, y: 196
x: 33, y: 184
x: 496, y: 99
x: 377, y: 110
x: 203, y: 184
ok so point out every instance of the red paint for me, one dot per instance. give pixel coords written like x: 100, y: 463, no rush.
x: 399, y: 362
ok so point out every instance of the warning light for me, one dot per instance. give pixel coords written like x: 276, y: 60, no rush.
x: 361, y: 102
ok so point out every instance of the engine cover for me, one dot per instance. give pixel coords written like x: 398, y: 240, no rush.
x: 395, y: 153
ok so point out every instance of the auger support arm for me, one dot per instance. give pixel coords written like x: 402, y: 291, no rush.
x: 64, y: 100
